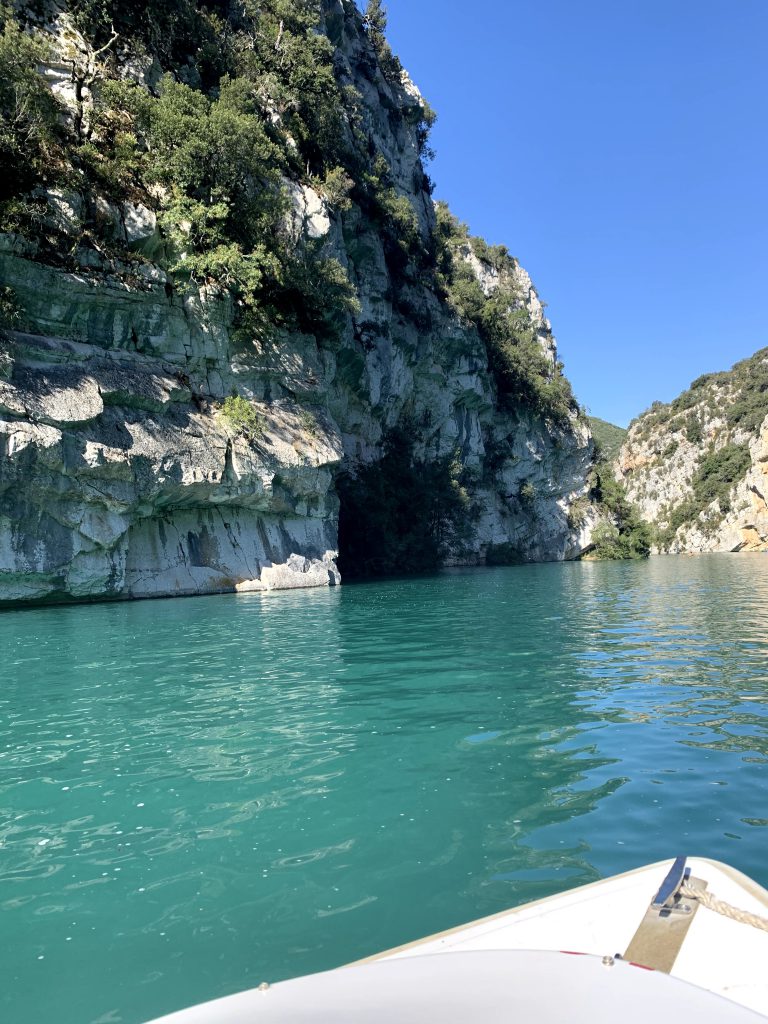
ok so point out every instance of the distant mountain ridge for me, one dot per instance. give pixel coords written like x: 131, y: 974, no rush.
x: 697, y: 468
x: 608, y: 437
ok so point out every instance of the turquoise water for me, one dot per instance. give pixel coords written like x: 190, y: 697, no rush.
x: 199, y: 795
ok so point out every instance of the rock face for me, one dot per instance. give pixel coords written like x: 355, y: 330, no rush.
x: 121, y: 475
x: 698, y: 467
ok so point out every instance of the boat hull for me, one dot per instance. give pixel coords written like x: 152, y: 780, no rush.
x: 513, y: 965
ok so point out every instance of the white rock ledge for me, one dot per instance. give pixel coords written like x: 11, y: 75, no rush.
x: 296, y: 574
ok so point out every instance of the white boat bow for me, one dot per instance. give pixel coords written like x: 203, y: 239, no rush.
x: 644, y: 944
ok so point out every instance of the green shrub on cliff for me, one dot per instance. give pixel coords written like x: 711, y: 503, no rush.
x: 523, y: 373
x: 11, y: 313
x: 623, y: 533
x: 750, y: 379
x: 375, y: 21
x: 249, y: 97
x: 716, y: 476
x: 741, y: 393
x: 223, y: 205
x: 608, y: 439
x: 242, y: 417
x: 29, y: 132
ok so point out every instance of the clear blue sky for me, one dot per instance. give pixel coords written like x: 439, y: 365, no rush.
x: 619, y: 149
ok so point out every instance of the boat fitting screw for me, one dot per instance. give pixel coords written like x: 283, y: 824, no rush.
x: 264, y: 986
x: 608, y: 961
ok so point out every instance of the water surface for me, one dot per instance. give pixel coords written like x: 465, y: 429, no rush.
x: 199, y: 795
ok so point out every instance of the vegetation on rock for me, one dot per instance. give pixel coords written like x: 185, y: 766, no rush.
x: 719, y: 471
x: 253, y: 165
x: 29, y: 130
x: 702, y: 437
x: 608, y: 438
x: 242, y: 417
x: 244, y: 102
x: 622, y: 533
x: 524, y: 374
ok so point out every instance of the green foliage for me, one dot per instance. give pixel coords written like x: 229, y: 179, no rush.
x: 393, y: 213
x: 578, y: 513
x: 670, y: 450
x: 29, y: 133
x: 523, y: 374
x: 694, y: 429
x: 741, y: 393
x: 11, y: 313
x: 719, y: 471
x: 738, y: 396
x: 279, y: 47
x: 527, y: 493
x: 218, y: 170
x: 402, y: 514
x: 375, y: 21
x: 751, y: 405
x: 316, y: 294
x: 717, y: 474
x: 608, y: 439
x: 623, y: 534
x: 242, y: 417
x: 496, y: 256
x: 308, y: 423
x: 337, y: 187
x: 610, y: 543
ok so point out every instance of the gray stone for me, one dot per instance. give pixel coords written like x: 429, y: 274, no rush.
x: 120, y: 475
x: 658, y: 463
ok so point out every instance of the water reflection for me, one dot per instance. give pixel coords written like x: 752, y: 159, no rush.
x: 205, y: 794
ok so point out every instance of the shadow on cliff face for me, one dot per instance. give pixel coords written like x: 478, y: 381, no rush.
x: 401, y: 515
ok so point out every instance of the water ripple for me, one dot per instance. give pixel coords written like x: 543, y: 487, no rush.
x: 196, y: 796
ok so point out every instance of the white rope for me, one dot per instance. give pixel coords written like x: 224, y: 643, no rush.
x: 711, y: 902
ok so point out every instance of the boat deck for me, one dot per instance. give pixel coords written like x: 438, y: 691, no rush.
x: 724, y: 956
x: 511, y: 965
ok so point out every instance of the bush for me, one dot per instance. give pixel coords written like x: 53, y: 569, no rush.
x: 337, y: 187
x: 716, y: 476
x: 612, y: 543
x: 393, y: 212
x: 242, y: 417
x: 375, y: 21
x: 750, y: 378
x: 29, y: 132
x: 523, y: 374
x: 694, y: 430
x: 219, y: 172
x: 624, y: 534
x: 578, y: 513
x: 527, y: 493
x: 11, y: 313
x: 608, y: 439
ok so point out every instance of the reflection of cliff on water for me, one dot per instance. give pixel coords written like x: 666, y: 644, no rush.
x: 482, y: 728
x: 687, y: 647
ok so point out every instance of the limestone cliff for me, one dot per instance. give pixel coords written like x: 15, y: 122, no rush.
x: 122, y: 473
x: 698, y: 467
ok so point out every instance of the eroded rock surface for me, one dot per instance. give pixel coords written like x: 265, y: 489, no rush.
x: 698, y: 467
x: 120, y: 475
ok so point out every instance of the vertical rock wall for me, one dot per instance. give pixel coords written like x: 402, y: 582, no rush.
x: 121, y: 477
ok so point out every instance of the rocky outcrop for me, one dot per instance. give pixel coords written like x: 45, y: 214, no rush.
x: 698, y: 467
x: 121, y: 474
